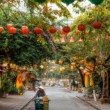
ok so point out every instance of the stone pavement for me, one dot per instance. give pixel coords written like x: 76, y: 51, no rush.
x: 16, y: 102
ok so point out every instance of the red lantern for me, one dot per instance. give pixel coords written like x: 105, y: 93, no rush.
x: 12, y: 30
x: 37, y: 30
x: 52, y: 30
x: 64, y: 32
x: 24, y: 30
x: 108, y: 37
x: 86, y: 33
x: 66, y: 29
x: 8, y: 26
x: 78, y: 32
x: 97, y: 24
x: 81, y: 27
x: 1, y: 29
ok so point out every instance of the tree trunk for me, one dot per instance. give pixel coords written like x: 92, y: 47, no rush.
x: 82, y: 77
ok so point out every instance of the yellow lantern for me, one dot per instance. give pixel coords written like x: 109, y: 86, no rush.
x: 60, y: 62
x: 91, y: 80
x: 86, y: 72
x: 41, y: 66
x: 86, y: 81
x: 82, y: 61
x: 53, y: 62
x: 5, y: 64
x: 73, y: 63
x: 71, y: 67
x: 53, y: 68
x: 35, y: 66
x: 75, y: 58
x: 81, y: 68
x: 62, y: 68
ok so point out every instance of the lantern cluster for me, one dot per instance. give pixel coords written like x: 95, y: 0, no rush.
x: 82, y: 27
x: 25, y: 30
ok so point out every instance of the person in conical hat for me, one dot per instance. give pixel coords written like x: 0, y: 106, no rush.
x: 40, y: 92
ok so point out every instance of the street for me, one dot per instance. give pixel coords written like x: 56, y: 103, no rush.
x: 62, y: 99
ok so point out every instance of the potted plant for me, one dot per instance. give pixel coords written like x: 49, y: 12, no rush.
x: 6, y: 86
x: 21, y: 90
x: 90, y: 91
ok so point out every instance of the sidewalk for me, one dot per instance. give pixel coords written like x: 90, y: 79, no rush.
x: 96, y: 104
x: 16, y: 102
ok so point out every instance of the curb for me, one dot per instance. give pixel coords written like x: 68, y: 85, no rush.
x: 89, y: 103
x: 27, y: 103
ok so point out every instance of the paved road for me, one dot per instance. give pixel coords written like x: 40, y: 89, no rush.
x: 16, y: 102
x: 62, y: 99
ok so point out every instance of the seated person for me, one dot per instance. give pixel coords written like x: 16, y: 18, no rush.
x: 40, y: 92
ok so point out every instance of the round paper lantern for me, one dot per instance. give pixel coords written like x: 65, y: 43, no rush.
x: 63, y: 32
x: 53, y: 62
x: 81, y: 68
x: 75, y: 58
x: 96, y: 2
x: 71, y: 67
x: 1, y: 29
x: 37, y: 30
x: 86, y: 33
x: 82, y: 61
x: 66, y: 29
x: 40, y: 1
x: 68, y: 1
x: 108, y: 37
x: 97, y: 24
x: 73, y: 63
x: 78, y: 32
x: 24, y: 30
x: 52, y: 30
x: 8, y: 26
x: 81, y: 27
x: 60, y: 62
x: 12, y: 30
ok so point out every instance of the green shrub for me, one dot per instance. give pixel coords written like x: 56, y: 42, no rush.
x: 89, y: 90
x: 6, y: 85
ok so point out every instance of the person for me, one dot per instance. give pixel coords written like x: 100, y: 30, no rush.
x: 73, y: 84
x: 39, y: 97
x: 40, y: 92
